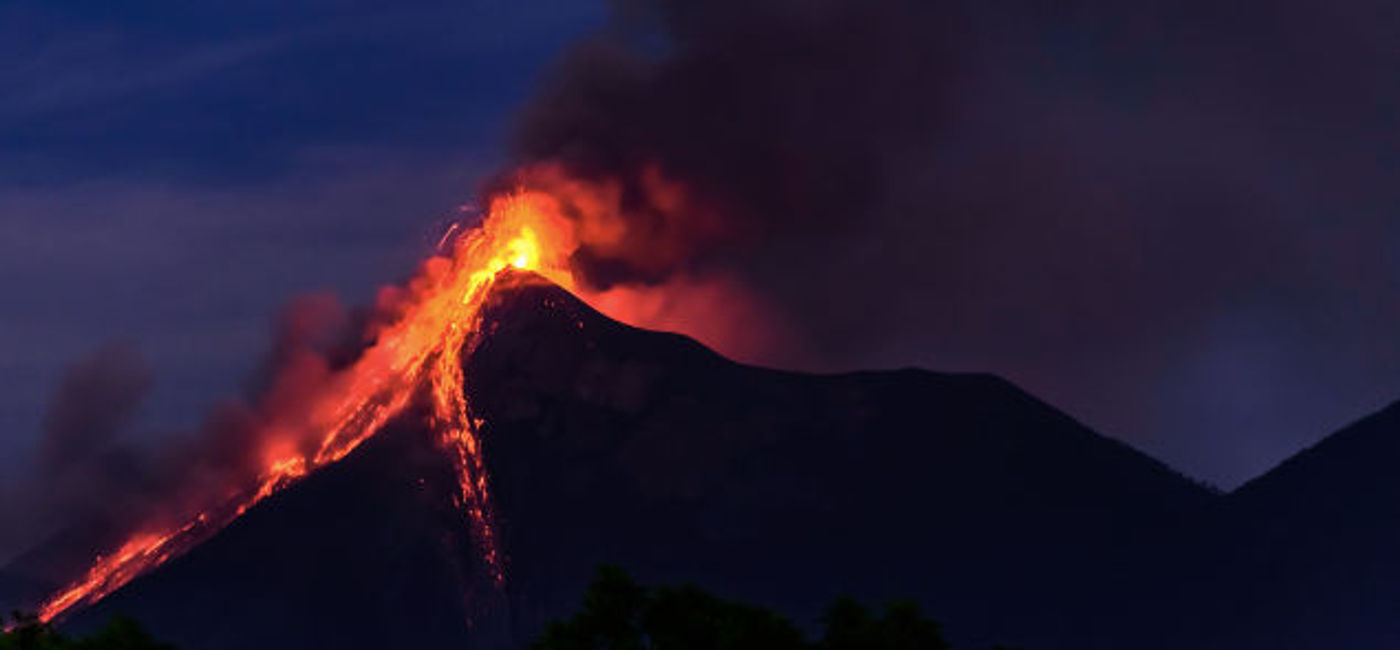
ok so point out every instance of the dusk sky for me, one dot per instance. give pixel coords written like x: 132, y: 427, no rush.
x: 1183, y: 236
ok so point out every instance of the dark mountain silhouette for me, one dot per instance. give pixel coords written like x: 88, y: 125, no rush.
x: 1305, y: 556
x: 1005, y: 518
x: 367, y: 553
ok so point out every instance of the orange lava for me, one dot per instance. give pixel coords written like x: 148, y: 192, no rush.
x: 437, y: 320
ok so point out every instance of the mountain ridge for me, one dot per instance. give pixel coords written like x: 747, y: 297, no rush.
x: 1007, y: 518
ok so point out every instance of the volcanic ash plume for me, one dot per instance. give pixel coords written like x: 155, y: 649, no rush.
x: 713, y: 148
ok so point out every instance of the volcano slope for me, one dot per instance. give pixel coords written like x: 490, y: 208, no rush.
x: 1004, y: 517
x: 367, y: 553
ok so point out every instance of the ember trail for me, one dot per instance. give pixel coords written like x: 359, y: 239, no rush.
x: 436, y: 319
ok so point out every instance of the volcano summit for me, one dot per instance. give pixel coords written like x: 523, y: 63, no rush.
x: 607, y: 443
x: 604, y: 443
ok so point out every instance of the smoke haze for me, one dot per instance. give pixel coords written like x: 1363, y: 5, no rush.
x: 93, y: 472
x: 1171, y: 218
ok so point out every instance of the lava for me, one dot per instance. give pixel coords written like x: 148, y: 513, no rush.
x: 437, y: 319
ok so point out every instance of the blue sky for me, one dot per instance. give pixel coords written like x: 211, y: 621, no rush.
x: 174, y: 173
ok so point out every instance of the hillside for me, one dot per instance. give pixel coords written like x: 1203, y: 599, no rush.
x: 1306, y: 553
x: 1005, y: 517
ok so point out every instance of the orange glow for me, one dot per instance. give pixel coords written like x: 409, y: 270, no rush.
x: 436, y: 320
x: 315, y: 416
x: 716, y: 310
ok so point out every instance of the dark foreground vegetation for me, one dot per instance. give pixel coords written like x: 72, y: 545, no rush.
x: 619, y: 614
x: 25, y: 632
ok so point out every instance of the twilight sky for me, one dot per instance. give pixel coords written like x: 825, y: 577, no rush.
x: 1177, y: 222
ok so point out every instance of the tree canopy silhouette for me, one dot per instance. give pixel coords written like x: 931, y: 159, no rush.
x: 619, y: 614
x: 26, y: 632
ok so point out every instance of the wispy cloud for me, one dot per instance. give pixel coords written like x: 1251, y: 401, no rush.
x: 101, y: 68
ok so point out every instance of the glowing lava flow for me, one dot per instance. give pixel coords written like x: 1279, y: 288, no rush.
x: 437, y: 322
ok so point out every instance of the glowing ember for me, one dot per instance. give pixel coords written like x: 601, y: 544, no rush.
x: 437, y: 321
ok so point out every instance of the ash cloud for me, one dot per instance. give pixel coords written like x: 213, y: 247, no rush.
x: 94, y: 403
x: 81, y: 463
x: 91, y: 476
x: 1125, y: 207
x: 746, y: 122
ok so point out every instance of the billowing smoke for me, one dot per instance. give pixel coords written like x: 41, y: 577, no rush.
x: 311, y: 338
x: 90, y: 472
x: 81, y: 463
x: 689, y: 128
x: 93, y: 404
x: 1161, y: 215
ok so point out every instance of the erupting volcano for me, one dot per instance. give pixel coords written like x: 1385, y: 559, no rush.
x: 432, y: 323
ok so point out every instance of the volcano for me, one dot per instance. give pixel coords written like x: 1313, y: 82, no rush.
x: 1007, y: 519
x: 1004, y: 517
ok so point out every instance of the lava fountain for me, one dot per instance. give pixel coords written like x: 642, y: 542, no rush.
x: 436, y: 319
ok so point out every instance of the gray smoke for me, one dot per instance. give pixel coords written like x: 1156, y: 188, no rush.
x: 89, y: 471
x: 1168, y: 217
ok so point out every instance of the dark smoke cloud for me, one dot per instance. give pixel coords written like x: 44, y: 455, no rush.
x: 81, y: 464
x: 89, y: 473
x: 315, y: 325
x: 749, y: 121
x: 1169, y: 217
x: 94, y: 403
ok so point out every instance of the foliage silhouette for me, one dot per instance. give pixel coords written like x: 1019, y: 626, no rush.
x: 619, y: 614
x: 26, y: 632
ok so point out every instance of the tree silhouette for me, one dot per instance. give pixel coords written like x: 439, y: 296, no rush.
x: 610, y: 618
x: 850, y: 626
x: 619, y: 614
x: 27, y: 632
x: 688, y: 618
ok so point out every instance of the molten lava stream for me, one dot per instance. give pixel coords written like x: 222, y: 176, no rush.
x: 438, y: 321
